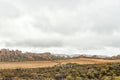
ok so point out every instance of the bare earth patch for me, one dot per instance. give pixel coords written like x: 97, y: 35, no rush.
x: 37, y: 64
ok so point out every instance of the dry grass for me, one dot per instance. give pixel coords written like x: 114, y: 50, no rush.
x: 26, y: 64
x: 36, y: 64
x: 87, y: 61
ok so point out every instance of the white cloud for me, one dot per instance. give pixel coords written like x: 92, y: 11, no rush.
x: 53, y: 25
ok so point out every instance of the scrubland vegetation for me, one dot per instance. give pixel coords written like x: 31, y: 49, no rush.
x: 70, y: 71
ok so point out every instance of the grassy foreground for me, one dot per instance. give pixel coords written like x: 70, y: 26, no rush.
x: 70, y: 71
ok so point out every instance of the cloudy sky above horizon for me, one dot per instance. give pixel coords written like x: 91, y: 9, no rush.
x: 61, y: 26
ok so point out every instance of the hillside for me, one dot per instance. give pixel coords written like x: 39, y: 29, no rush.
x: 7, y: 55
x: 25, y: 57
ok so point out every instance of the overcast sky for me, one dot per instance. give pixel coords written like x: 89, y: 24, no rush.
x: 61, y: 26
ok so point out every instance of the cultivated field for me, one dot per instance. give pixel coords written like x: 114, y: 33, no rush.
x: 37, y: 64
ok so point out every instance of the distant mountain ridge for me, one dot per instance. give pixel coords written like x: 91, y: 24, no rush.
x: 17, y: 55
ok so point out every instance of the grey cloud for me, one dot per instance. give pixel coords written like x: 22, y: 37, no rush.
x: 81, y: 19
x: 8, y: 10
x: 105, y: 27
x: 91, y: 40
x: 34, y: 43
